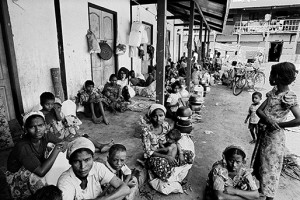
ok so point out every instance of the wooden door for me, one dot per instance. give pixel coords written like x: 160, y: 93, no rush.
x: 5, y: 88
x: 146, y: 61
x: 102, y: 25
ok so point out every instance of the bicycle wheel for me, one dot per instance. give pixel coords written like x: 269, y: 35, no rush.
x: 238, y: 85
x: 259, y: 80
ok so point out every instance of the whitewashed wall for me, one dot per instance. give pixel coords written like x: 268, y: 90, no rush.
x: 34, y: 30
x: 140, y: 14
x: 35, y: 41
x: 74, y: 14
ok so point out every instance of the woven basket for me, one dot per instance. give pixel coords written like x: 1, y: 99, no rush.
x: 106, y: 51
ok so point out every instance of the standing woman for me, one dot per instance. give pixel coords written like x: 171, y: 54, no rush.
x: 273, y: 119
x: 27, y: 163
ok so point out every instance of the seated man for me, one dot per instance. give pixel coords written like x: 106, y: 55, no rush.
x: 116, y: 164
x: 84, y: 178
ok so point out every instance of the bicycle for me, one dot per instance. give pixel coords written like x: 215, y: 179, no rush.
x: 250, y: 76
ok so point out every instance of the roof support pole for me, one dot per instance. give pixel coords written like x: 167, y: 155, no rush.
x: 204, y: 43
x: 189, y: 45
x: 160, y: 52
x: 207, y: 49
x: 200, y: 41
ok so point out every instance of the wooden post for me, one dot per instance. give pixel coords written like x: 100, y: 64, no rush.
x: 160, y: 52
x: 190, y: 42
x: 207, y: 51
x: 204, y: 43
x: 200, y: 41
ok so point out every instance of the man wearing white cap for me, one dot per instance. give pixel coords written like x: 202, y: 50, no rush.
x: 84, y: 178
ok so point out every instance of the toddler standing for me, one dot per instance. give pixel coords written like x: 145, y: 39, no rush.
x: 252, y: 117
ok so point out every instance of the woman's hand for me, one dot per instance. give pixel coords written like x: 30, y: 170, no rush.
x: 132, y: 182
x: 181, y: 159
x: 230, y: 190
x: 172, y: 161
x: 273, y: 124
x: 61, y: 147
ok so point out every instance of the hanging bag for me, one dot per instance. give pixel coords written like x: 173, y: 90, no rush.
x: 93, y: 45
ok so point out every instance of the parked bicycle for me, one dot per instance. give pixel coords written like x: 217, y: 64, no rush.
x: 249, y: 76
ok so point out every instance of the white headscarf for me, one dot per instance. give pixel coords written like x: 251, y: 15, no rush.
x: 156, y: 106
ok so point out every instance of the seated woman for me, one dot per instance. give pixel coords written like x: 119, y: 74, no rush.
x: 27, y: 164
x: 127, y: 91
x: 113, y: 92
x: 136, y: 81
x: 229, y: 179
x: 153, y: 131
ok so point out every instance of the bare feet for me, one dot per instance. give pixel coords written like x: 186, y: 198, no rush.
x: 105, y: 120
x: 96, y: 120
x: 107, y: 146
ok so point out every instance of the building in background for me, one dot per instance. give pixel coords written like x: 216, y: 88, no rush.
x: 271, y: 25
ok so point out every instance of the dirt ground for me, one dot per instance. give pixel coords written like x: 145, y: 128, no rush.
x: 223, y: 114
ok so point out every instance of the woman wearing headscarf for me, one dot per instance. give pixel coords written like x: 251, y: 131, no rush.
x: 230, y: 179
x: 29, y: 161
x: 83, y: 180
x: 153, y: 131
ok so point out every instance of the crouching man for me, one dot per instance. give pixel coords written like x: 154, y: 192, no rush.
x: 84, y: 178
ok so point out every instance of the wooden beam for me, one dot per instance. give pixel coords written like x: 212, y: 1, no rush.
x: 189, y: 45
x: 207, y: 49
x: 200, y: 40
x: 200, y: 11
x: 160, y: 52
x: 204, y: 42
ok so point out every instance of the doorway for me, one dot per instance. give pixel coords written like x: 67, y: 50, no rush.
x: 103, y: 23
x: 5, y: 88
x: 275, y: 51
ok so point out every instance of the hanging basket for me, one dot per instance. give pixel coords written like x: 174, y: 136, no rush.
x: 106, y: 51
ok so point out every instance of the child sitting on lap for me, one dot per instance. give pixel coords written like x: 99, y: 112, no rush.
x: 92, y: 100
x: 158, y: 164
x: 116, y: 163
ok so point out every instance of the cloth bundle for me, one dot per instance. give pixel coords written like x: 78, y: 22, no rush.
x: 93, y: 45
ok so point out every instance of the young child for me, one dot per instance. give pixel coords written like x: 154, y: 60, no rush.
x: 162, y: 166
x: 174, y: 100
x: 52, y: 114
x: 91, y: 99
x: 55, y: 119
x: 273, y: 113
x: 170, y: 147
x: 116, y: 163
x: 252, y: 117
